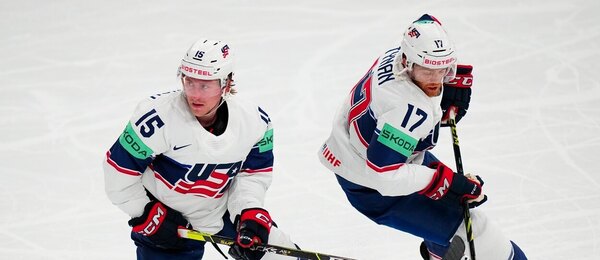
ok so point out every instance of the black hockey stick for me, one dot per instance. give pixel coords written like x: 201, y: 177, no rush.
x: 201, y: 236
x: 459, y: 169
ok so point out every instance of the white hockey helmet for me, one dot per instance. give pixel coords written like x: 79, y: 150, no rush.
x: 427, y: 44
x: 207, y: 59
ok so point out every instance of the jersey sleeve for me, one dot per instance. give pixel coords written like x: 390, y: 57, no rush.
x: 250, y: 185
x: 127, y: 159
x: 394, y: 145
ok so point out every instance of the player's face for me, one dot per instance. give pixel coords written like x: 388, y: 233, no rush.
x: 202, y: 95
x: 428, y: 80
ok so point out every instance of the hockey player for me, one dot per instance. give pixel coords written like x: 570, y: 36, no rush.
x: 380, y: 142
x: 197, y: 158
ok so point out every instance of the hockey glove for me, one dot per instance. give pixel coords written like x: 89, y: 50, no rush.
x: 253, y: 227
x: 482, y: 198
x: 454, y: 189
x: 457, y: 94
x: 159, y: 223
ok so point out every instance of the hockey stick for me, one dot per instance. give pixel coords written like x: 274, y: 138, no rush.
x: 201, y: 236
x: 459, y: 169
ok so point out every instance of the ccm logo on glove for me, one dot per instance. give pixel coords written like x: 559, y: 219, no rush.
x: 461, y: 82
x: 159, y: 224
x: 253, y: 227
x: 155, y: 218
x: 457, y: 94
x: 452, y: 188
x: 266, y: 220
x: 441, y: 190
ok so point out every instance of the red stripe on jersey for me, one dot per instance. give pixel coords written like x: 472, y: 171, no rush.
x: 359, y: 107
x: 360, y: 137
x: 215, y: 182
x: 251, y: 171
x: 206, y: 189
x: 159, y: 177
x: 434, y: 256
x: 384, y: 169
x: 119, y: 168
x: 199, y: 191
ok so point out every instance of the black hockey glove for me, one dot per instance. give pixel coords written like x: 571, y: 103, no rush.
x: 159, y: 223
x: 253, y: 227
x: 454, y: 189
x: 457, y: 94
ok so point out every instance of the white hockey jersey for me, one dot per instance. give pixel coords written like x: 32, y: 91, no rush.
x: 166, y: 151
x: 382, y: 130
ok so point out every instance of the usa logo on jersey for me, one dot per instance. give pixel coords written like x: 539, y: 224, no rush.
x: 205, y: 179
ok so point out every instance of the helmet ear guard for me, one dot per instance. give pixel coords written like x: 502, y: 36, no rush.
x: 427, y: 44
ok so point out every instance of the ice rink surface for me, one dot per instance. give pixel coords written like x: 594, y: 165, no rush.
x: 71, y: 73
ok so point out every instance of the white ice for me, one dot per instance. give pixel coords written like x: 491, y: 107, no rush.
x: 72, y: 71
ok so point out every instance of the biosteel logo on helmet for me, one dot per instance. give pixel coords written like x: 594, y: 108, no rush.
x: 447, y: 62
x: 195, y: 71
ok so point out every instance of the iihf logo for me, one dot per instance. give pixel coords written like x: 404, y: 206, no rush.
x: 225, y: 51
x: 414, y: 33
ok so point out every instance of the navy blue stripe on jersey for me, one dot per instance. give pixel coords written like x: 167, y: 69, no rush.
x: 257, y: 161
x: 365, y: 126
x: 430, y: 141
x: 119, y: 158
x: 171, y: 170
x: 360, y: 98
x: 360, y: 116
x: 264, y: 116
x: 381, y: 158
